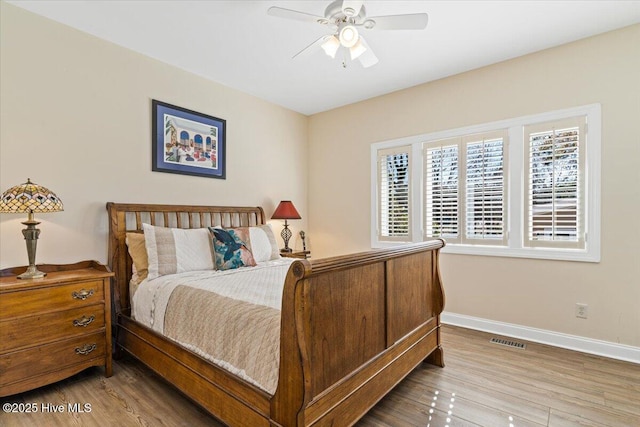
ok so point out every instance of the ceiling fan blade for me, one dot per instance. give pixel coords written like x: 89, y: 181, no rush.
x: 311, y: 48
x: 368, y: 58
x: 294, y: 14
x: 412, y: 21
x: 351, y: 7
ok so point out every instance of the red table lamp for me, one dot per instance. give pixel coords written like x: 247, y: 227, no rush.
x: 286, y: 210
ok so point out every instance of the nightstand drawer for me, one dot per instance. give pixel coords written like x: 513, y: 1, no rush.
x: 47, y: 299
x: 18, y: 365
x: 53, y: 327
x: 42, y: 328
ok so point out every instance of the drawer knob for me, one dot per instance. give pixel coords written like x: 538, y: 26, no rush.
x: 86, y: 349
x: 83, y: 294
x: 84, y: 321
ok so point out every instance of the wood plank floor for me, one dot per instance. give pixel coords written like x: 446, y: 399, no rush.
x: 483, y: 384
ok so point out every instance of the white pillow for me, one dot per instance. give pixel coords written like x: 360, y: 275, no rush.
x: 263, y: 243
x: 176, y: 250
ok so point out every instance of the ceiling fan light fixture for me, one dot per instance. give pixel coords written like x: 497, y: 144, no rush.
x: 331, y: 46
x: 369, y: 24
x: 349, y: 11
x: 349, y: 36
x: 357, y: 49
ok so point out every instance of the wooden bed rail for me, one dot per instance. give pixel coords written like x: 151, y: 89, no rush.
x: 368, y: 257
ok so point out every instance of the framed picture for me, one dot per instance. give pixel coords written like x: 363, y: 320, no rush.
x: 187, y: 142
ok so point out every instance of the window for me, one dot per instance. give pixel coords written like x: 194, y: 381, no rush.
x: 485, y: 189
x: 464, y: 189
x: 524, y: 187
x: 395, y: 185
x: 441, y: 190
x: 554, y: 170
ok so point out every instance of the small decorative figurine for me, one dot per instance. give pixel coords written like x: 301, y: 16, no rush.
x: 304, y: 244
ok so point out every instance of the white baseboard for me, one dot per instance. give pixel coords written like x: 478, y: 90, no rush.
x: 557, y: 339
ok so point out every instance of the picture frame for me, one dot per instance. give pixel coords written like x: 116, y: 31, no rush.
x: 187, y: 142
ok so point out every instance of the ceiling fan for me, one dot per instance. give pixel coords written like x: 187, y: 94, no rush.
x: 346, y: 19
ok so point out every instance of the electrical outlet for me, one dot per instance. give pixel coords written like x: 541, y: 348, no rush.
x: 582, y: 310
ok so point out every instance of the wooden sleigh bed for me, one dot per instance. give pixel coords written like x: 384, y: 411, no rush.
x: 352, y: 326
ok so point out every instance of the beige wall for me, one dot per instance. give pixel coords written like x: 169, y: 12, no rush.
x: 535, y: 293
x: 75, y: 116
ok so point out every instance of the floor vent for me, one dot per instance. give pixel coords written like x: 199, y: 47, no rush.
x: 508, y: 343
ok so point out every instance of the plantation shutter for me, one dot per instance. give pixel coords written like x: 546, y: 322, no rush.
x: 441, y: 189
x: 394, y: 184
x: 485, y: 196
x: 555, y: 163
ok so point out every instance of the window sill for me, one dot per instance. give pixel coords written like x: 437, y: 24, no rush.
x: 532, y: 253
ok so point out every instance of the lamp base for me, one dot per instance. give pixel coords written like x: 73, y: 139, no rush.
x: 286, y: 250
x: 32, y: 273
x: 286, y: 235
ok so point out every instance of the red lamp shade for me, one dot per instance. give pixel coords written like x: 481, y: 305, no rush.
x: 286, y: 210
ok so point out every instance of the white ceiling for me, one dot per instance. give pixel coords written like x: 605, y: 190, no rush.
x: 237, y: 44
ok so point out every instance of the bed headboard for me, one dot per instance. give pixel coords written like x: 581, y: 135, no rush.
x: 127, y: 217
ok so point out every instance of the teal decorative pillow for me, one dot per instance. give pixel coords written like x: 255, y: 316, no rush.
x: 232, y: 248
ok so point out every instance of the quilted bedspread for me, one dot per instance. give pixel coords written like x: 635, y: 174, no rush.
x: 231, y: 318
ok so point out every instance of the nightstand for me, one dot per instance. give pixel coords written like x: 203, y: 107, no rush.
x: 55, y: 326
x: 299, y: 254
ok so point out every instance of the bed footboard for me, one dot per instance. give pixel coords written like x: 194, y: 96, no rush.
x: 352, y: 328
